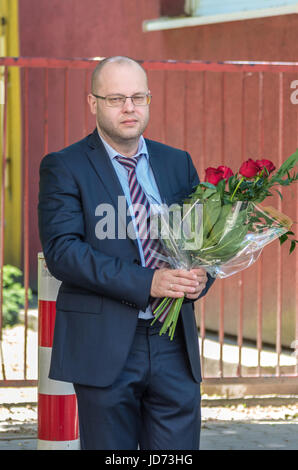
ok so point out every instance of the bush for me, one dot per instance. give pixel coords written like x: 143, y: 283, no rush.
x: 13, y: 295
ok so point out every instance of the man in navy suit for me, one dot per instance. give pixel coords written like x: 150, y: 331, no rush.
x: 135, y: 388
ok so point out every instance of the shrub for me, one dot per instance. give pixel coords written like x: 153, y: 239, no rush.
x: 13, y: 295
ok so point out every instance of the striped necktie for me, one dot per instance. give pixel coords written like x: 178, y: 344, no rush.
x: 141, y: 209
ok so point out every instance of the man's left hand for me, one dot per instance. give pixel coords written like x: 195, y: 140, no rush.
x: 202, y: 280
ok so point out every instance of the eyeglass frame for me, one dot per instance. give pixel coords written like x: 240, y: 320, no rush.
x: 148, y: 95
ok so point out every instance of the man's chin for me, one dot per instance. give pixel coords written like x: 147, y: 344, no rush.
x: 130, y: 134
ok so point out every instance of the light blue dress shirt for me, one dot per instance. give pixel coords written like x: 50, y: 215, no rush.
x: 147, y: 181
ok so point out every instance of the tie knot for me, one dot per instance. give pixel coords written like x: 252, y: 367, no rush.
x: 129, y: 163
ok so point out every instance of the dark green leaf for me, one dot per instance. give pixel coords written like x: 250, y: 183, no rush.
x: 279, y: 193
x: 290, y: 162
x: 208, y: 192
x: 283, y: 238
x: 219, y: 227
x: 228, y: 246
x: 211, y: 211
x: 208, y: 185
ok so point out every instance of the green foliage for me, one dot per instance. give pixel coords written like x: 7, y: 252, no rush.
x: 240, y: 188
x: 258, y: 188
x: 13, y: 294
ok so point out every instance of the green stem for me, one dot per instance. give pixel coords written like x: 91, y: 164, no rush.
x: 178, y: 304
x: 159, y: 310
x: 167, y: 320
x: 236, y: 189
x: 171, y: 319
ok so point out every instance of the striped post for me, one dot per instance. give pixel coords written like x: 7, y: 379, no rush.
x: 57, y: 405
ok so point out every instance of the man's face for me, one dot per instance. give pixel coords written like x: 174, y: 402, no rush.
x: 120, y: 126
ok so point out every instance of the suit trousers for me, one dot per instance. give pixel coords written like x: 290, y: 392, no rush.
x: 153, y: 404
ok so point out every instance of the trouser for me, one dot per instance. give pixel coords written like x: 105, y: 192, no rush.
x: 153, y: 404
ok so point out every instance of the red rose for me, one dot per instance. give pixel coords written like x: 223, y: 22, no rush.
x: 213, y: 175
x: 226, y: 171
x: 249, y: 169
x: 267, y: 164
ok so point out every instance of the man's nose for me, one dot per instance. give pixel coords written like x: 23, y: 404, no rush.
x: 128, y: 104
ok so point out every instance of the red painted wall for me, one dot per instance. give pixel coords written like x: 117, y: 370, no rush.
x: 76, y: 28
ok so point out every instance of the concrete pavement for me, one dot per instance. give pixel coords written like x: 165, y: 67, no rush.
x: 215, y: 436
x: 251, y: 423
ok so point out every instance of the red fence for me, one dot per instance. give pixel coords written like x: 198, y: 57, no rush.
x: 222, y: 113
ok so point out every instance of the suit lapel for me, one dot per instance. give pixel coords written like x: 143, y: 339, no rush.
x: 103, y: 166
x: 157, y: 165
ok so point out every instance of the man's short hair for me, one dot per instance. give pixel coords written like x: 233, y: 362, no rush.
x: 114, y: 59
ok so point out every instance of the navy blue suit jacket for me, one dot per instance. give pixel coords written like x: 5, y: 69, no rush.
x: 103, y: 283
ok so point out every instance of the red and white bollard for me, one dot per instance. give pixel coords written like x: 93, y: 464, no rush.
x: 57, y: 404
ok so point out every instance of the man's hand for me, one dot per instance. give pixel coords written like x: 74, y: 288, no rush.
x: 178, y: 282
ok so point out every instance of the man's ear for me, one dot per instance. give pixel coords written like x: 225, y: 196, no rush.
x: 92, y: 103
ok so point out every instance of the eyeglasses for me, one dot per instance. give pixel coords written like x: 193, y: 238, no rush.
x: 116, y: 101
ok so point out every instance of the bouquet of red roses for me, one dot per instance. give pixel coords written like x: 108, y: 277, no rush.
x: 222, y: 227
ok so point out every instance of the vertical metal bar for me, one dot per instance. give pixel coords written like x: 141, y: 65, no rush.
x: 2, y: 228
x: 241, y: 280
x: 46, y: 111
x: 221, y: 329
x: 26, y: 217
x: 165, y: 86
x: 223, y: 87
x: 203, y: 301
x: 185, y: 75
x: 165, y: 101
x: 240, y: 328
x: 279, y: 261
x: 204, y: 110
x: 259, y: 315
x: 261, y: 114
x: 66, y: 107
x: 296, y: 329
x: 202, y: 334
x: 86, y: 107
x: 222, y: 293
x: 260, y: 262
x: 296, y: 275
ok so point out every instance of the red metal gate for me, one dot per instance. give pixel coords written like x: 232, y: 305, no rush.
x: 222, y: 113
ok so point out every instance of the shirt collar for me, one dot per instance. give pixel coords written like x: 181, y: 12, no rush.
x: 142, y: 149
